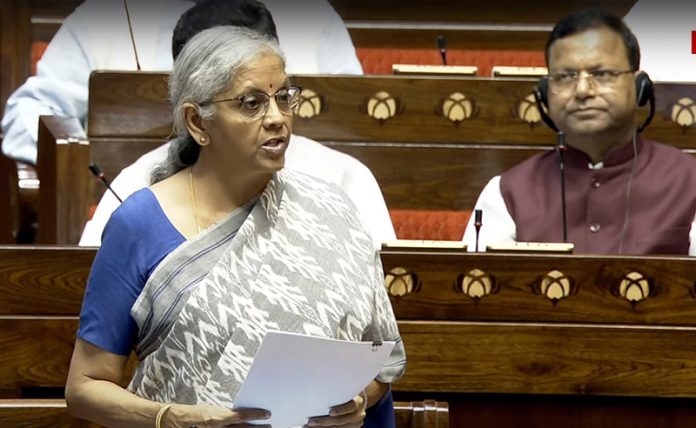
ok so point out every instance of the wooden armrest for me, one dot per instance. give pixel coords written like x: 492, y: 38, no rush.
x: 422, y: 414
x: 65, y: 184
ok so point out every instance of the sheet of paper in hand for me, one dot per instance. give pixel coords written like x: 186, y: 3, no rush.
x: 297, y: 376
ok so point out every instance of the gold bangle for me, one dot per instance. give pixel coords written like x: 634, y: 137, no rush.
x: 160, y: 414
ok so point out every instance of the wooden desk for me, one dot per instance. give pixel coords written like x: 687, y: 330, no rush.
x: 527, y: 341
x: 511, y: 357
x: 432, y: 143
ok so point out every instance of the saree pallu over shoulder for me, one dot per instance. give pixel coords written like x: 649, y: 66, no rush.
x: 300, y: 261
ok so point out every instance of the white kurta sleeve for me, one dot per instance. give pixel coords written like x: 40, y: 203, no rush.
x: 692, y: 238
x: 59, y: 88
x: 498, y: 227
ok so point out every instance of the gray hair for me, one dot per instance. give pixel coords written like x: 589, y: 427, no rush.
x: 203, y: 70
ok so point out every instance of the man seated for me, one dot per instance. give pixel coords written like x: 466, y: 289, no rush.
x: 624, y: 194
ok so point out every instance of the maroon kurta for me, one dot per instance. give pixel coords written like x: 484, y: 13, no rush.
x: 661, y: 204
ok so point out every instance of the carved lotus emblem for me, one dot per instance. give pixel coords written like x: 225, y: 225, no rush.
x: 476, y: 284
x: 527, y: 110
x: 555, y: 286
x: 684, y: 112
x: 400, y: 282
x: 382, y: 106
x: 634, y: 287
x: 311, y: 104
x: 457, y: 108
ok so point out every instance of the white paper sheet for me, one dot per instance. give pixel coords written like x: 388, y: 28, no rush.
x: 297, y: 376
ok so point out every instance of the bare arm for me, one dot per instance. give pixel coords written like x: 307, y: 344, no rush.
x: 93, y: 393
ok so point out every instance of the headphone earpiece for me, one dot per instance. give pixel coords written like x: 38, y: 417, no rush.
x: 541, y: 92
x: 541, y: 96
x: 644, y: 88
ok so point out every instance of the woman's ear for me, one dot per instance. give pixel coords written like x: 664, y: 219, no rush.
x: 194, y: 124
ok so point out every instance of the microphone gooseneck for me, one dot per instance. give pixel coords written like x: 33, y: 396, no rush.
x: 130, y: 28
x: 478, y: 215
x: 561, y: 148
x: 97, y: 172
x: 442, y: 47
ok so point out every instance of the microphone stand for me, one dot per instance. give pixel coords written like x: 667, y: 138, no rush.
x: 442, y: 47
x: 561, y: 148
x: 97, y: 172
x: 478, y: 214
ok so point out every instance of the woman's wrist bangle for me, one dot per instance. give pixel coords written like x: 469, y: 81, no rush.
x: 160, y: 414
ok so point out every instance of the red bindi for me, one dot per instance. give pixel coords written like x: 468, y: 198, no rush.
x: 271, y: 85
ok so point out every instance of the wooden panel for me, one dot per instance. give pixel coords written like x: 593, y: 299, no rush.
x: 594, y: 294
x: 8, y: 199
x: 548, y: 359
x: 112, y: 155
x: 141, y: 98
x: 43, y: 280
x: 36, y: 351
x: 418, y: 101
x: 431, y: 176
x: 14, y: 47
x: 495, y: 11
x: 125, y: 105
x: 577, y: 411
x: 37, y: 413
x: 66, y: 186
x: 405, y: 37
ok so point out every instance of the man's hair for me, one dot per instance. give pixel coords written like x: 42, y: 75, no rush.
x: 591, y: 19
x: 212, y: 13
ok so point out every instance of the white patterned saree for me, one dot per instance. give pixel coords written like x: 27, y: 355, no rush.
x: 297, y: 259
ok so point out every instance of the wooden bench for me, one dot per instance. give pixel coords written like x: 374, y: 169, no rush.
x: 432, y: 143
x: 504, y: 339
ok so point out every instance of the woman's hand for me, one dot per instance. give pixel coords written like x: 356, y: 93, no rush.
x: 348, y: 415
x: 206, y: 416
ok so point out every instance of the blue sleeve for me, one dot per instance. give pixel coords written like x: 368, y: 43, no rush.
x: 118, y: 274
x: 136, y: 239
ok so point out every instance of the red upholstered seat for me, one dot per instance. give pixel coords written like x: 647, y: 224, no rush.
x: 434, y: 225
x: 380, y: 60
x: 37, y: 50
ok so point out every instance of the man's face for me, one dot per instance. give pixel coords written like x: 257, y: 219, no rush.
x: 588, y: 106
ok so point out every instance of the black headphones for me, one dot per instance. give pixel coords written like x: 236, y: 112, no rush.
x: 644, y: 94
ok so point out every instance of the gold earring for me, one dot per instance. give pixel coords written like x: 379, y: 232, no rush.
x: 203, y: 141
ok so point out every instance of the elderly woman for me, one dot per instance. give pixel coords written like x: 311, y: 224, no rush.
x: 223, y: 247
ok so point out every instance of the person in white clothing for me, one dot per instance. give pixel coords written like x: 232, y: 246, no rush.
x: 303, y: 154
x: 96, y: 36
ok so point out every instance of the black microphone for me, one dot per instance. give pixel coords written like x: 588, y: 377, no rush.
x: 442, y: 47
x: 97, y: 172
x: 478, y: 214
x: 561, y: 148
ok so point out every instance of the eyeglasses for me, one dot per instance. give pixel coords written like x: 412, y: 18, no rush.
x: 568, y: 80
x: 255, y: 104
